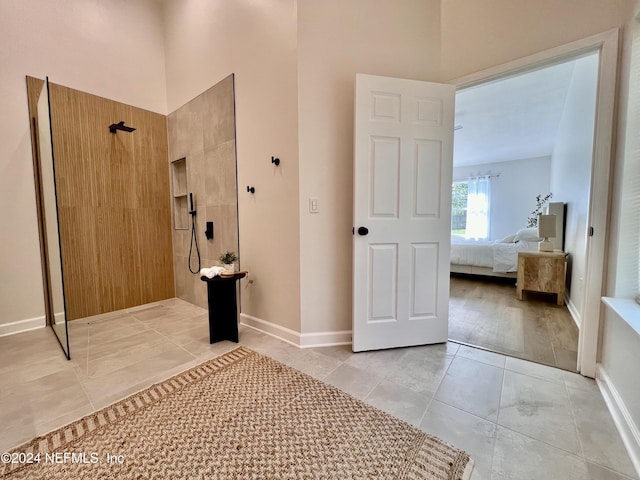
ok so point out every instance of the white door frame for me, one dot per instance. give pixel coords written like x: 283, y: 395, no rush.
x: 607, y: 44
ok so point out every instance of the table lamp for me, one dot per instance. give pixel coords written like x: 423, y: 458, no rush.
x: 546, y: 229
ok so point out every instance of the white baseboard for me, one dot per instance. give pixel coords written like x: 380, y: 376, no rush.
x: 325, y: 339
x: 304, y: 340
x: 621, y: 416
x: 573, y: 311
x: 283, y: 333
x: 22, y: 326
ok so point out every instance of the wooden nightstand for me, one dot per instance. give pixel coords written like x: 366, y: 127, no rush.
x: 542, y: 272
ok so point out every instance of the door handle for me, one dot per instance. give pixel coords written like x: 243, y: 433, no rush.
x: 363, y: 231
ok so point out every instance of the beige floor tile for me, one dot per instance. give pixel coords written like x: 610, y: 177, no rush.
x: 575, y: 380
x: 517, y: 456
x: 339, y: 352
x: 194, y: 334
x: 473, y: 387
x: 597, y: 472
x: 421, y: 370
x: 175, y: 323
x: 352, y: 380
x: 383, y: 362
x: 600, y: 439
x: 26, y: 391
x: 122, y: 343
x: 127, y: 356
x: 115, y: 383
x: 22, y: 372
x: 484, y: 356
x: 539, y: 409
x: 114, y: 329
x: 535, y: 370
x: 399, y: 401
x: 28, y: 346
x: 203, y: 350
x: 315, y: 364
x: 473, y: 434
x: 30, y: 409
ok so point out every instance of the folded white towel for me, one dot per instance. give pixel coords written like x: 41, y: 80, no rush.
x: 211, y: 272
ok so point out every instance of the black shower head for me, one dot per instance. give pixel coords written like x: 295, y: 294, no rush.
x: 120, y: 126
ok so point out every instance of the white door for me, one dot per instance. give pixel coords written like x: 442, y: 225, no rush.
x: 402, y: 212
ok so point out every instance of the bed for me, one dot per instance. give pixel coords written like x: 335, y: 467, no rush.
x: 500, y: 258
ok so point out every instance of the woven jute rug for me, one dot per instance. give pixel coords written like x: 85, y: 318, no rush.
x: 239, y: 416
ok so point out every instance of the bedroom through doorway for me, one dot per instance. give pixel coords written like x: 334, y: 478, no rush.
x: 523, y: 145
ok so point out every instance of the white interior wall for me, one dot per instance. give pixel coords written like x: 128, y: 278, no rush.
x: 513, y: 193
x: 571, y: 172
x: 112, y: 49
x: 206, y: 40
x: 480, y: 34
x: 336, y: 40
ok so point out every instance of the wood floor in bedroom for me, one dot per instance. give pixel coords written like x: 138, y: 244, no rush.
x: 484, y: 312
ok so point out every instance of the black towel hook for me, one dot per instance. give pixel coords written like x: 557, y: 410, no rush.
x: 251, y: 189
x: 275, y: 160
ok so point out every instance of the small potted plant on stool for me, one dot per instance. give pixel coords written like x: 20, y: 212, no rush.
x: 228, y: 259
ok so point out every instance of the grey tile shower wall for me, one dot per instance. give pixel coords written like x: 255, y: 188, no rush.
x: 203, y: 131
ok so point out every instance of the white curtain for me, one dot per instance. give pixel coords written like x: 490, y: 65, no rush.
x: 478, y: 208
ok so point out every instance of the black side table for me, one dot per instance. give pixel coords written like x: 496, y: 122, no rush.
x: 223, y: 307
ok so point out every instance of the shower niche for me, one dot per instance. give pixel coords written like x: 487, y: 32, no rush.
x: 179, y: 192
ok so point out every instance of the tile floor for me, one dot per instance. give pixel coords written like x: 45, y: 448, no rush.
x: 518, y: 420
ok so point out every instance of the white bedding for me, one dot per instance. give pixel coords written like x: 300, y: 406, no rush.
x: 500, y: 257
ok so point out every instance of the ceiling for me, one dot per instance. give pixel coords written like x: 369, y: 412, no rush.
x: 511, y: 118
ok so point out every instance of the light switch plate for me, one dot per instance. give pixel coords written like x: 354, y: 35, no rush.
x: 314, y: 206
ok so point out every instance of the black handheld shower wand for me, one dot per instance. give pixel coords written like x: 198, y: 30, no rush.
x: 194, y: 238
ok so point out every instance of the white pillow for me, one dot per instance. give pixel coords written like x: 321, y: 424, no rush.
x: 528, y: 235
x: 509, y: 239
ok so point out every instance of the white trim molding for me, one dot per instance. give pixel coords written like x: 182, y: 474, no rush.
x: 626, y: 309
x: 622, y: 418
x: 58, y: 318
x: 302, y: 340
x: 573, y: 311
x: 22, y: 326
x: 325, y: 339
x: 270, y: 328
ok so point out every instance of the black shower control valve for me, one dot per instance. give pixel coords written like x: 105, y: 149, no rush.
x: 251, y: 189
x: 192, y: 211
x: 275, y: 160
x: 209, y: 231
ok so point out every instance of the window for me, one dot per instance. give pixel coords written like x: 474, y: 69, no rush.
x: 459, y: 194
x: 627, y: 284
x: 470, y: 208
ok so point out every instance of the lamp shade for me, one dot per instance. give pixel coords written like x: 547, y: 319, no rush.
x: 546, y: 226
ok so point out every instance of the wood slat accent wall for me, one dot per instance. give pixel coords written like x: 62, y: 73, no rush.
x: 114, y: 203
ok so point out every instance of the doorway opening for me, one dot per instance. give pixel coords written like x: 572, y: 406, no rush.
x: 524, y: 140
